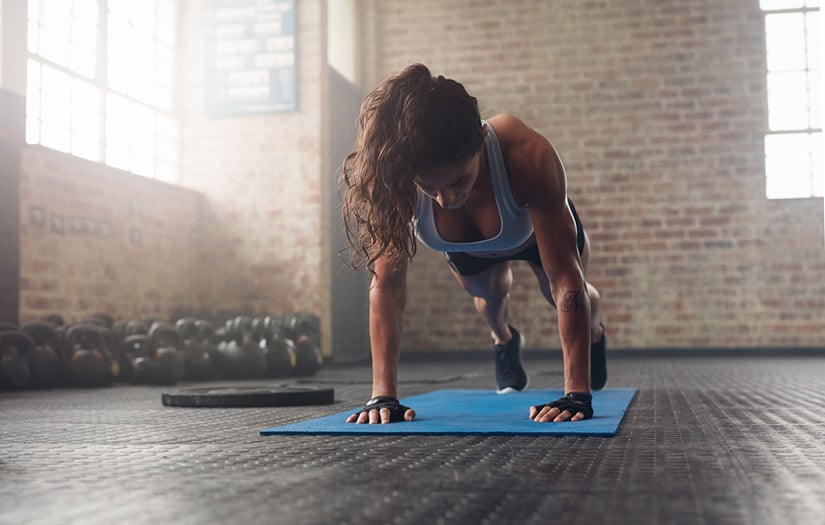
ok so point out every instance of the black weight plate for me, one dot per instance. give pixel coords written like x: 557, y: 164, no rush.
x: 249, y: 396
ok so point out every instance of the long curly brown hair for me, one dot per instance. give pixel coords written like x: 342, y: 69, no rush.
x: 410, y: 123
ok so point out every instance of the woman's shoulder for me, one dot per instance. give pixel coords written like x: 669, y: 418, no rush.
x: 507, y: 125
x: 523, y: 147
x: 528, y: 155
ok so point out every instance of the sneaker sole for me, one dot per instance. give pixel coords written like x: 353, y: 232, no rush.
x: 511, y: 390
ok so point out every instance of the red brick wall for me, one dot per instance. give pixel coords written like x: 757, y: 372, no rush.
x: 243, y: 233
x: 94, y: 239
x: 659, y: 110
x: 262, y: 176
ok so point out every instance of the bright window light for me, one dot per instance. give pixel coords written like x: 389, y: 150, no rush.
x: 793, y: 144
x: 101, y: 82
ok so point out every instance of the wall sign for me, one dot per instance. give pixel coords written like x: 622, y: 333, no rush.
x: 250, y: 56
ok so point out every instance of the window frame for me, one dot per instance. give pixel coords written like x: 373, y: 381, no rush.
x: 814, y: 148
x: 165, y: 166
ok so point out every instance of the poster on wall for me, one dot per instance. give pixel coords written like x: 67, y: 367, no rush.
x: 249, y: 53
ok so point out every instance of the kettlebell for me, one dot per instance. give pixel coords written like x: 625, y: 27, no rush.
x: 243, y: 359
x: 187, y: 330
x: 308, y: 357
x: 110, y: 344
x: 46, y: 365
x: 242, y: 328
x: 206, y: 333
x: 87, y: 361
x: 281, y: 358
x: 200, y: 356
x: 146, y: 365
x: 297, y: 324
x: 279, y: 351
x: 135, y: 327
x: 16, y: 355
x: 166, y: 342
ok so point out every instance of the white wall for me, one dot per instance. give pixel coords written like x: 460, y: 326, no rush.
x: 13, y: 46
x: 342, y: 37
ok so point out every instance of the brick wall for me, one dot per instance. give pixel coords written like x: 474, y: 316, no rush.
x: 243, y: 233
x: 658, y: 108
x: 262, y: 176
x: 94, y: 239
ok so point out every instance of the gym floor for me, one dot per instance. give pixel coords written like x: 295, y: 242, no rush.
x: 734, y: 438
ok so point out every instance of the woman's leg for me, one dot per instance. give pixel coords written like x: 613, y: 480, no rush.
x: 596, y: 328
x: 490, y: 290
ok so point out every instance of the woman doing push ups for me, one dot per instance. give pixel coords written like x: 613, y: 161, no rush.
x: 485, y: 193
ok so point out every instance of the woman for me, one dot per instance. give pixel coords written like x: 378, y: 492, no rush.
x: 484, y: 193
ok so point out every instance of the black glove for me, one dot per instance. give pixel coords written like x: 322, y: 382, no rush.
x: 574, y: 402
x: 397, y: 410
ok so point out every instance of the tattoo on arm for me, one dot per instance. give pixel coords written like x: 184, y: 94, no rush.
x: 573, y: 301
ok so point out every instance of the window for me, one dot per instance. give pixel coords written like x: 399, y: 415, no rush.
x: 793, y: 144
x: 101, y: 82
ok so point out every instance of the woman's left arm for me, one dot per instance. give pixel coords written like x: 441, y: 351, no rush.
x: 556, y: 237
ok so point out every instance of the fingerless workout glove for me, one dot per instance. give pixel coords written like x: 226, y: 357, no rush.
x: 397, y: 410
x: 574, y: 402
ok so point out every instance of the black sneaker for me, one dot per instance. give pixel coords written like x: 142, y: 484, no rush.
x: 510, y: 375
x: 598, y: 363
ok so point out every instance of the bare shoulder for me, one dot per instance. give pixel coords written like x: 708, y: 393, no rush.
x: 512, y: 130
x: 533, y: 166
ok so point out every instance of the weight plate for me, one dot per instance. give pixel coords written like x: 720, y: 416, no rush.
x: 248, y: 396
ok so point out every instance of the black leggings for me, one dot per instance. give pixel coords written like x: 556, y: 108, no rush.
x: 465, y: 264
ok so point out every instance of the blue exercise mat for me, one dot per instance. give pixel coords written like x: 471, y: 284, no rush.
x: 454, y: 411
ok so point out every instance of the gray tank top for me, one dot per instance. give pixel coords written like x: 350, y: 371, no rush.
x: 516, y: 226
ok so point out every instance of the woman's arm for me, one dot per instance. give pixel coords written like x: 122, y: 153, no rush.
x: 538, y: 177
x: 388, y: 296
x: 556, y: 237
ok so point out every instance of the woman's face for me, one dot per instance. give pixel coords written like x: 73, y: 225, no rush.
x: 450, y: 185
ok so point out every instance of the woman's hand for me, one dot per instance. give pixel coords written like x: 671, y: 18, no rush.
x: 574, y: 406
x: 382, y: 409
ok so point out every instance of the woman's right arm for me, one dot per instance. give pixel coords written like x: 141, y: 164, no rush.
x: 388, y: 296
